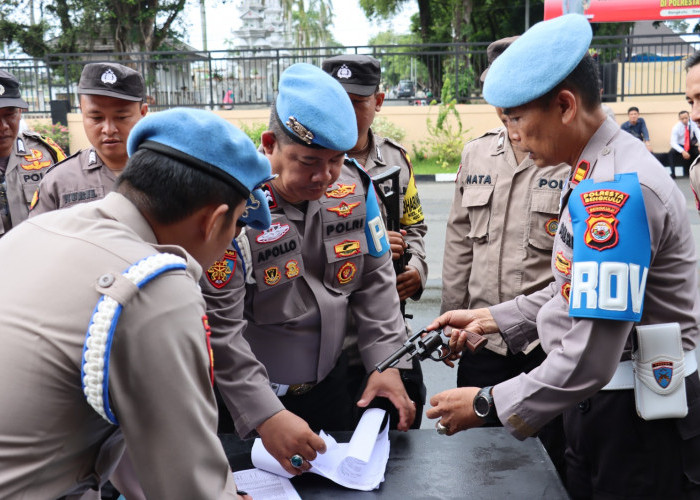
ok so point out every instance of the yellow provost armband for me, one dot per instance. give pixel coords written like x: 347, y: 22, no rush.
x: 412, y: 209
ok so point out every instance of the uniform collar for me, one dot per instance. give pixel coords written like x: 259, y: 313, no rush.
x: 598, y: 142
x: 118, y: 207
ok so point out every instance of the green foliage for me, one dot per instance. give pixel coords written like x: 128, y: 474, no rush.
x: 446, y: 137
x: 254, y: 131
x: 59, y: 133
x: 397, y: 67
x: 385, y: 128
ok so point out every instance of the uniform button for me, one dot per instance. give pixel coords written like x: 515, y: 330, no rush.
x: 105, y: 280
x: 584, y: 405
x: 605, y: 152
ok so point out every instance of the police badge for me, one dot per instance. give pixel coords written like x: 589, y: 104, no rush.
x: 344, y: 72
x: 108, y: 77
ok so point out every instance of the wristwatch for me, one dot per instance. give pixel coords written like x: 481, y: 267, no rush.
x: 484, y: 407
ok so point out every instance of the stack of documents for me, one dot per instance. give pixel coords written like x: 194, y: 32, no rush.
x: 359, y: 464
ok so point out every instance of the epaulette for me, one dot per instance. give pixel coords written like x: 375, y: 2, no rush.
x: 488, y: 133
x: 54, y: 149
x: 394, y: 143
x: 63, y: 161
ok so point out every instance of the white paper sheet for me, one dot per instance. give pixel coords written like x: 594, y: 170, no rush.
x: 263, y: 485
x: 359, y: 464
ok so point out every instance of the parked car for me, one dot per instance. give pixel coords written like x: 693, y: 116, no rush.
x: 406, y: 88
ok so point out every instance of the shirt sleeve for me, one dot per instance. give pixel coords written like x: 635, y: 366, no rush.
x: 677, y: 137
x: 162, y: 395
x: 458, y: 256
x: 517, y: 318
x: 242, y: 380
x: 645, y: 131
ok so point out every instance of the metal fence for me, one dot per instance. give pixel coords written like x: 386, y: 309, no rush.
x: 629, y: 66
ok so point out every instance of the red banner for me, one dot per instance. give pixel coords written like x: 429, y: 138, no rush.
x: 615, y: 11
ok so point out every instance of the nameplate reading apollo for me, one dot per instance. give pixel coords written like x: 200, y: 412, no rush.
x: 612, y: 249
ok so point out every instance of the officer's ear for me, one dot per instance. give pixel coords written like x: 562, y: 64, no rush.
x: 268, y: 141
x: 379, y: 100
x: 214, y: 219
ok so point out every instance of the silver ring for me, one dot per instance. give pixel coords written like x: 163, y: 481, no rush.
x: 297, y: 460
x: 441, y: 429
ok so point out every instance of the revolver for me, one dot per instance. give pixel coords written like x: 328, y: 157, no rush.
x: 428, y: 346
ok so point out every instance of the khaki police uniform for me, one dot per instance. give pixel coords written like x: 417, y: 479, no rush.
x: 240, y: 378
x: 305, y: 276
x: 605, y: 438
x: 385, y: 153
x: 31, y: 157
x: 498, y: 240
x: 501, y: 227
x: 80, y: 178
x: 54, y: 443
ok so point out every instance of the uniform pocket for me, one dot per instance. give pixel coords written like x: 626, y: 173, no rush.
x: 544, y: 218
x: 283, y: 303
x: 28, y: 189
x: 477, y: 201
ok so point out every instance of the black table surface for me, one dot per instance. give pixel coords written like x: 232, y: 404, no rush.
x: 485, y: 463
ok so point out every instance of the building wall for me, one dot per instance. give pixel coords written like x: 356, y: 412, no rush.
x: 660, y: 116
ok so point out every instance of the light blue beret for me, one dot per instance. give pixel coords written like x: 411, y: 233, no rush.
x: 537, y: 61
x: 314, y: 109
x: 208, y: 143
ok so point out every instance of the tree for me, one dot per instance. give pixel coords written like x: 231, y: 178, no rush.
x: 70, y: 26
x: 309, y: 21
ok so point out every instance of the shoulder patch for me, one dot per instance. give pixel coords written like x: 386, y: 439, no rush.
x: 220, y: 272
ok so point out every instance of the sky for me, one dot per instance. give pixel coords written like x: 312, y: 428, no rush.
x: 351, y: 27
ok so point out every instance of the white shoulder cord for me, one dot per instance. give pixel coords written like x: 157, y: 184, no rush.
x: 94, y: 369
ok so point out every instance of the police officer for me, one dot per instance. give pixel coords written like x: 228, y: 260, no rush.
x: 112, y: 101
x: 129, y: 266
x: 498, y: 241
x: 623, y: 257
x: 24, y: 156
x: 112, y: 104
x: 360, y: 76
x: 324, y: 257
x: 498, y: 244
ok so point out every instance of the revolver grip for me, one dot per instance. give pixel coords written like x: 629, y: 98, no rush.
x: 475, y: 342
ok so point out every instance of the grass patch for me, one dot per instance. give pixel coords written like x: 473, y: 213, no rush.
x: 428, y: 166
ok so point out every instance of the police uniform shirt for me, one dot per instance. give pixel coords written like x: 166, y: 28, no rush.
x: 31, y: 157
x: 54, y: 443
x: 306, y: 274
x: 385, y: 153
x: 80, y: 178
x: 501, y: 227
x: 241, y: 379
x: 584, y: 353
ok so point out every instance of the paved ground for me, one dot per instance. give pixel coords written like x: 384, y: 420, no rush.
x: 436, y: 198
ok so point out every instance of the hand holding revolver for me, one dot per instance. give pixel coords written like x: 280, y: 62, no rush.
x: 463, y: 323
x: 433, y: 345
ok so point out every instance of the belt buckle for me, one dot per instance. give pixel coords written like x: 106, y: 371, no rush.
x: 299, y: 389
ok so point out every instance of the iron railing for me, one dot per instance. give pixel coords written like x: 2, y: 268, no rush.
x: 630, y: 67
